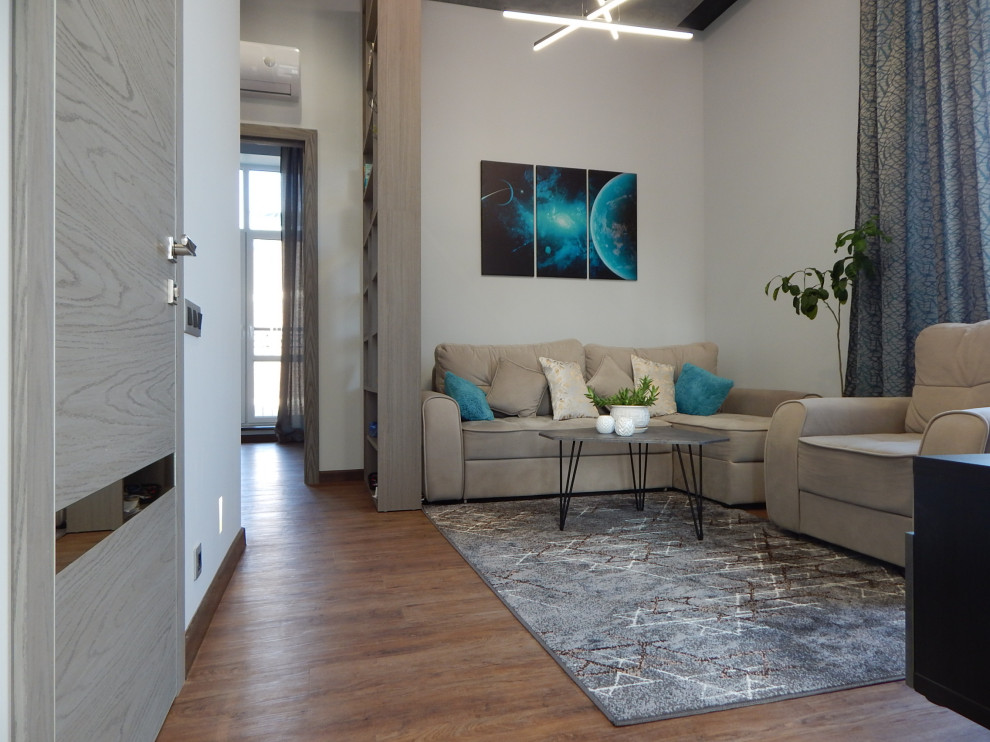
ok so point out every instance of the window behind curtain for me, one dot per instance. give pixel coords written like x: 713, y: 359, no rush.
x: 261, y: 242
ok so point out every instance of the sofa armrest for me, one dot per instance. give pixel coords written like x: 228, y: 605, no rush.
x: 443, y: 448
x: 794, y: 419
x: 761, y: 402
x: 957, y: 432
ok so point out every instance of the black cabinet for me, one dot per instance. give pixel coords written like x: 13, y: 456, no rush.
x: 948, y: 584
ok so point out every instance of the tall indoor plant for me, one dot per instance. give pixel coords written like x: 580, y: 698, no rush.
x: 830, y: 287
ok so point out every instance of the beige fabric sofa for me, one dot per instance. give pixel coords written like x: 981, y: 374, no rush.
x: 507, y: 457
x: 842, y: 469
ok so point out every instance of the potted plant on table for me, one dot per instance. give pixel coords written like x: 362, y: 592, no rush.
x: 627, y: 404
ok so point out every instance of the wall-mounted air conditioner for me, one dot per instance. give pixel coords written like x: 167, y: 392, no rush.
x: 269, y: 70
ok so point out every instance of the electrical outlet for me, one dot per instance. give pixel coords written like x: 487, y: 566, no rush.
x: 198, y: 561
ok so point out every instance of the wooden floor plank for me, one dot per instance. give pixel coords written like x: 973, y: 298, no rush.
x: 343, y: 623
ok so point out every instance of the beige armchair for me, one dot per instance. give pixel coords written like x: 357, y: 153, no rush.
x: 842, y: 469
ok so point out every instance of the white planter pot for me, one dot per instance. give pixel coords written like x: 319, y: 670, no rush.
x: 639, y: 415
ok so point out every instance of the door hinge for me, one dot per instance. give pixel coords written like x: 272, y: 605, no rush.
x: 171, y: 291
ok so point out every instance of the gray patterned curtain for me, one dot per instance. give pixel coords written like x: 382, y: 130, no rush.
x: 924, y: 170
x: 289, y: 422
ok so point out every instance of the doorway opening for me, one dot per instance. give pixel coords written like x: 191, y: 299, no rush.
x: 279, y: 239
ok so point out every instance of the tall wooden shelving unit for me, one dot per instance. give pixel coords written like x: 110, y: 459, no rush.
x: 391, y: 252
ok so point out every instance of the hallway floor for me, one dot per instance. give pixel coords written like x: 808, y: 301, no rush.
x: 342, y: 623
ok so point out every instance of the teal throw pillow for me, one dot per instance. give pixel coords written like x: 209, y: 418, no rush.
x: 700, y: 392
x: 471, y: 399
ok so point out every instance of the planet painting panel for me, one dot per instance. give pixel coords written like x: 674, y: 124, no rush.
x: 507, y: 219
x: 612, y: 225
x: 557, y: 222
x: 561, y: 222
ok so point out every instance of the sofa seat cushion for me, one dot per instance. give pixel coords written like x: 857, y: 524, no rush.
x: 747, y: 434
x: 519, y: 438
x: 874, y: 471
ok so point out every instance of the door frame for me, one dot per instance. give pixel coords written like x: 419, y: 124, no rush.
x: 305, y: 139
x: 32, y: 371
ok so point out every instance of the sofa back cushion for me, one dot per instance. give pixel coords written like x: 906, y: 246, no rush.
x: 704, y: 355
x: 480, y: 363
x: 951, y: 371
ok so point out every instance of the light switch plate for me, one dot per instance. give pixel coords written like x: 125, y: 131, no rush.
x: 193, y: 319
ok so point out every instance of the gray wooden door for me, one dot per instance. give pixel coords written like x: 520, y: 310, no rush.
x: 115, y: 200
x: 118, y: 609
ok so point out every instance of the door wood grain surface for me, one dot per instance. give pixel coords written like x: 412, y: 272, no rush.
x: 115, y: 195
x: 118, y: 609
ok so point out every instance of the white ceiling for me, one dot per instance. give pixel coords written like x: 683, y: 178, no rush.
x: 656, y: 13
x: 341, y: 6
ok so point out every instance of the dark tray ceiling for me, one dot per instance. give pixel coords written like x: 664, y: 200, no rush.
x: 694, y: 15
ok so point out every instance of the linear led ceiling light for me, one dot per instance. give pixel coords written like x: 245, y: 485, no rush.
x: 603, y: 12
x: 570, y: 24
x: 607, y: 16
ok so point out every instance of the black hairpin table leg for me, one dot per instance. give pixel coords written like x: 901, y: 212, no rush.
x: 637, y: 462
x: 567, y: 486
x: 693, y: 488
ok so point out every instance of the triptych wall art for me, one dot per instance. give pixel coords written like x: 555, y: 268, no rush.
x: 557, y: 222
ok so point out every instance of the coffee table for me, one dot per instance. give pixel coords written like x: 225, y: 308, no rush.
x: 666, y: 436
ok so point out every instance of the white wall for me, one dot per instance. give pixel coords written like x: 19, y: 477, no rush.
x: 328, y: 35
x: 212, y: 365
x: 588, y: 102
x: 5, y: 638
x: 781, y: 92
x: 743, y: 142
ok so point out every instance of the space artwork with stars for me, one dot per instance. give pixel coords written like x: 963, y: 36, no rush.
x: 561, y: 222
x: 557, y: 222
x: 506, y: 219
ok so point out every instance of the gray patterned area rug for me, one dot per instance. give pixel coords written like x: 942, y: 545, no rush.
x: 652, y: 623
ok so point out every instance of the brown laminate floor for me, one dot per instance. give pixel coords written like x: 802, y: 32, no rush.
x: 342, y: 623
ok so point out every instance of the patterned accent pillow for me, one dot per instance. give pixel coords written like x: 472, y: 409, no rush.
x: 662, y: 375
x: 700, y: 392
x: 567, y: 390
x: 469, y: 398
